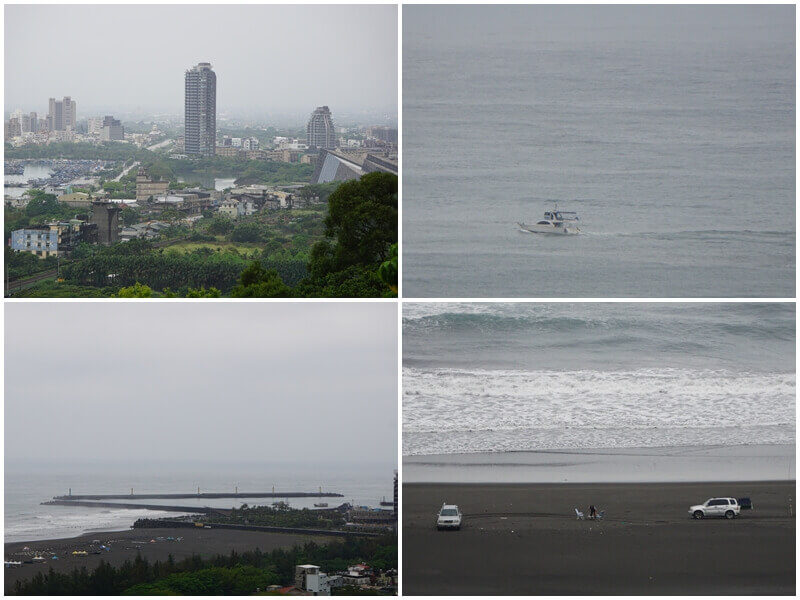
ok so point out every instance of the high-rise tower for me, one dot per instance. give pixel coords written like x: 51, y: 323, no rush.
x: 200, y: 136
x: 62, y: 114
x: 320, y: 131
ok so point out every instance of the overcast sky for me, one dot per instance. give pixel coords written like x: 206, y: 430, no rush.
x: 741, y: 24
x: 201, y: 381
x: 269, y: 59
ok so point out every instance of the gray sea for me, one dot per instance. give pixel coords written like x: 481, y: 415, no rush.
x: 28, y: 484
x: 484, y: 378
x: 669, y: 129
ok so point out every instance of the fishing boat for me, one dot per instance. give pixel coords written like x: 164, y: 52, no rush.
x: 556, y: 221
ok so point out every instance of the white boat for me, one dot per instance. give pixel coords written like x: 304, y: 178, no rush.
x: 555, y: 221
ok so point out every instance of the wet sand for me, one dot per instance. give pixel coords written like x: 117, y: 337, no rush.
x: 124, y: 546
x: 751, y: 462
x: 525, y: 539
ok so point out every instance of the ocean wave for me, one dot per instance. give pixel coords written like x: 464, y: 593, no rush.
x: 470, y: 402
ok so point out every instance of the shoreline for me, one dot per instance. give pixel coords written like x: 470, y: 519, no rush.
x: 525, y: 538
x: 675, y: 464
x: 151, y: 543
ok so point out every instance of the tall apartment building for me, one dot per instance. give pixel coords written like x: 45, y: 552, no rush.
x: 112, y: 130
x: 386, y: 134
x: 94, y: 125
x: 13, y: 128
x: 62, y: 114
x: 200, y: 135
x: 320, y: 131
x: 34, y: 120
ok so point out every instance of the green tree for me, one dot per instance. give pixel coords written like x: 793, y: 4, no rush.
x: 256, y: 282
x: 388, y: 269
x: 203, y: 293
x: 247, y: 232
x: 220, y: 226
x: 362, y: 219
x: 41, y: 203
x: 137, y: 290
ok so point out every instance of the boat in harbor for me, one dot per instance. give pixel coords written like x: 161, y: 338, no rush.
x: 556, y: 221
x: 321, y: 505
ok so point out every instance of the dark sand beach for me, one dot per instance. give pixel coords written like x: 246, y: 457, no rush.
x: 525, y: 539
x: 126, y: 544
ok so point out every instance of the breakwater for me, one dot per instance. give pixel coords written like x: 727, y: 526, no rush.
x: 209, y: 495
x: 187, y: 509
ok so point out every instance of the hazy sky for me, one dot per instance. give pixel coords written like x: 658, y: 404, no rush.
x: 216, y: 381
x: 269, y: 59
x: 618, y: 23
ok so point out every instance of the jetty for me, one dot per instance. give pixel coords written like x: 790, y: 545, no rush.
x: 185, y: 509
x: 209, y: 495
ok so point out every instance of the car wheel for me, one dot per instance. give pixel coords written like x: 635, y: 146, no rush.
x: 729, y: 514
x: 698, y: 514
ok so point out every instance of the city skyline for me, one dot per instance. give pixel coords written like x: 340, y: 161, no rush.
x: 294, y: 76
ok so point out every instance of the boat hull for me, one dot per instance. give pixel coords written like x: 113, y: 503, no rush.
x: 549, y: 229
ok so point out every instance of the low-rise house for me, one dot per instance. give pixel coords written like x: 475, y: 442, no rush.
x: 311, y: 580
x: 229, y: 208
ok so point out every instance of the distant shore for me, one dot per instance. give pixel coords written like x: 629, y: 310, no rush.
x: 151, y: 543
x: 526, y: 539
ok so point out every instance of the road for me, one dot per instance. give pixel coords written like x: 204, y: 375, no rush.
x: 160, y: 144
x: 125, y: 171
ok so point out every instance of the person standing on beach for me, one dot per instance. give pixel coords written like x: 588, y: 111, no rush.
x: 592, y: 512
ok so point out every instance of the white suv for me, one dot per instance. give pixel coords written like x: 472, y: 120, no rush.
x: 716, y: 507
x: 449, y: 517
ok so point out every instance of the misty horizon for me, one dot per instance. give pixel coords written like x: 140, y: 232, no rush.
x: 273, y: 63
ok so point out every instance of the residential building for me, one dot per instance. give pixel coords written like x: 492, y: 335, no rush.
x: 250, y: 143
x: 62, y: 115
x: 227, y: 151
x: 288, y: 156
x: 112, y: 130
x: 254, y: 154
x: 76, y: 199
x: 146, y: 187
x: 200, y: 133
x: 34, y: 120
x: 229, y: 208
x: 311, y: 580
x: 13, y: 128
x: 53, y: 239
x: 386, y: 134
x: 95, y: 125
x: 320, y: 131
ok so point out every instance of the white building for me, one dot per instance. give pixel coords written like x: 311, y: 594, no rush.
x: 229, y: 208
x: 310, y: 579
x: 95, y: 125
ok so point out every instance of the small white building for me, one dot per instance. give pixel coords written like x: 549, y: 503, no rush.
x: 310, y: 579
x: 229, y: 208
